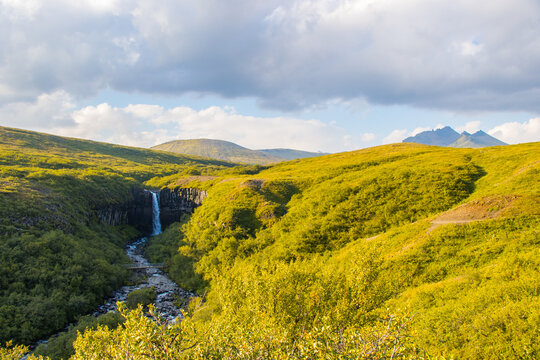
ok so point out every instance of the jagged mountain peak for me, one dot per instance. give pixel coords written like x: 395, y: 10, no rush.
x: 447, y: 136
x: 440, y: 137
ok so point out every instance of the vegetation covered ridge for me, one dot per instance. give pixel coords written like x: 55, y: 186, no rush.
x: 57, y: 259
x: 338, y: 257
x: 320, y: 252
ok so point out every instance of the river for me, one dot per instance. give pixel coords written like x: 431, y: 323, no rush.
x: 167, y: 291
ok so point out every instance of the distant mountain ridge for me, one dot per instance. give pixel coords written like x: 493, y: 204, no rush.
x: 229, y: 151
x: 290, y: 154
x: 478, y: 139
x: 451, y: 138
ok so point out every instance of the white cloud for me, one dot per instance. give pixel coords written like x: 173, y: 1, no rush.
x: 368, y: 137
x: 100, y: 6
x: 146, y: 125
x: 102, y: 122
x: 20, y: 9
x: 467, y: 48
x: 470, y: 127
x: 288, y: 54
x: 396, y: 136
x: 130, y: 48
x: 48, y: 110
x: 144, y: 111
x: 516, y: 132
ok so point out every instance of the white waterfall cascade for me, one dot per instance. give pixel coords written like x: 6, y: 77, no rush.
x: 156, y: 223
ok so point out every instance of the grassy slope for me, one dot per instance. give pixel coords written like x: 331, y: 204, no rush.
x: 292, y: 254
x: 56, y: 259
x: 218, y: 149
x: 473, y: 288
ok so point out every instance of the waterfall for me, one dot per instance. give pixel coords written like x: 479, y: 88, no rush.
x: 156, y: 223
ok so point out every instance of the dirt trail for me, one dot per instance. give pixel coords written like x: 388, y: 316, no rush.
x: 482, y: 209
x: 436, y: 223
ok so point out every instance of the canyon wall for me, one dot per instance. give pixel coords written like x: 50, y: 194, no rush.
x: 137, y: 212
x: 174, y: 203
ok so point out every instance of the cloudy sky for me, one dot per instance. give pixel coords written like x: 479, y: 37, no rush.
x: 319, y: 75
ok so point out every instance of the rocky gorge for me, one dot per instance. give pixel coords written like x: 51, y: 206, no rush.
x: 137, y: 211
x: 146, y: 211
x: 150, y: 212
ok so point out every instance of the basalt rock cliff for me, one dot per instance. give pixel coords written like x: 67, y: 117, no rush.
x: 137, y: 212
x: 174, y: 203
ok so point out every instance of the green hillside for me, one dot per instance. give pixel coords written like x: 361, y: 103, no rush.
x: 309, y: 256
x: 398, y: 251
x: 57, y: 260
x: 218, y: 149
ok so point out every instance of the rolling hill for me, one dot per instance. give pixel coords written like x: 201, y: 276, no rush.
x: 443, y: 239
x: 424, y: 251
x: 228, y: 151
x: 451, y: 138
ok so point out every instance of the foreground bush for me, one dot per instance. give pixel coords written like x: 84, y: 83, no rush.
x: 141, y: 337
x: 60, y: 346
x: 143, y: 297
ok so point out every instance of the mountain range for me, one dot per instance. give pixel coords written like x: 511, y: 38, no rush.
x: 228, y: 151
x: 451, y: 138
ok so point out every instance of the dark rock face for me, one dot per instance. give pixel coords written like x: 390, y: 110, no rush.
x: 138, y: 211
x: 113, y: 215
x: 139, y: 214
x: 174, y: 203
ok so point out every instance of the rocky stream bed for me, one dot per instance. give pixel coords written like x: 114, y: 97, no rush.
x: 168, y: 292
